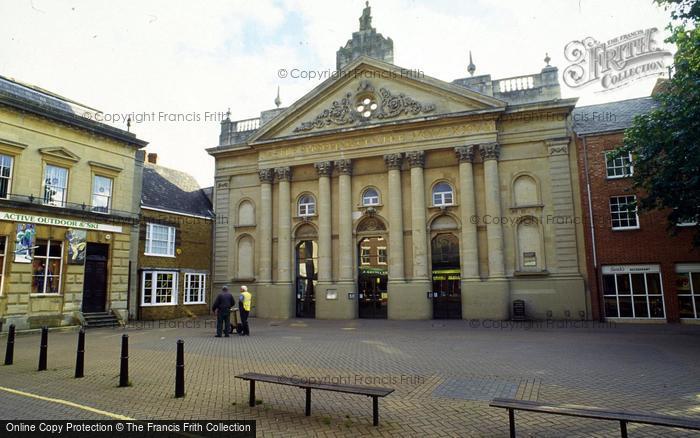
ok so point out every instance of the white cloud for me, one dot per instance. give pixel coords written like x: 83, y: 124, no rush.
x: 197, y: 57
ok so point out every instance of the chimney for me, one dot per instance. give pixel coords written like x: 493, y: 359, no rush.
x: 153, y: 158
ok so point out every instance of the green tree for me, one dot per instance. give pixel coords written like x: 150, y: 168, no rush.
x: 665, y: 143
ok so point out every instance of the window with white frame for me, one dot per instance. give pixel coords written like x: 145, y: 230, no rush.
x: 442, y: 195
x: 3, y: 254
x: 5, y: 175
x: 688, y: 289
x: 159, y: 288
x: 365, y: 256
x: 382, y: 256
x: 619, y: 166
x: 55, y: 185
x: 101, y: 194
x: 370, y: 197
x: 160, y: 240
x: 633, y: 291
x: 307, y: 206
x: 47, y: 266
x: 195, y: 286
x: 623, y: 212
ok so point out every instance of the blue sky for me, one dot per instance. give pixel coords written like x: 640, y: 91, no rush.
x: 183, y: 57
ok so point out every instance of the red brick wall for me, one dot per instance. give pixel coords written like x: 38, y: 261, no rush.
x: 652, y: 243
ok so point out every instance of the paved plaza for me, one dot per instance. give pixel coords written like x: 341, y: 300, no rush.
x: 444, y: 373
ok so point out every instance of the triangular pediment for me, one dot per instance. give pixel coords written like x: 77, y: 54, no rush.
x: 372, y: 93
x: 60, y: 153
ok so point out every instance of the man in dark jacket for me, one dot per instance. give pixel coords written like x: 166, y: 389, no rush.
x: 222, y: 307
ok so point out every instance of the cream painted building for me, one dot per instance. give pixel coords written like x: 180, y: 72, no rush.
x: 387, y: 193
x: 69, y: 210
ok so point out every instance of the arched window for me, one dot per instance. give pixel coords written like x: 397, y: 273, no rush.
x: 442, y: 194
x: 307, y: 206
x: 370, y: 197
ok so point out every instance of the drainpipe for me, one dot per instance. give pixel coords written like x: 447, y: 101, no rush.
x: 592, y: 229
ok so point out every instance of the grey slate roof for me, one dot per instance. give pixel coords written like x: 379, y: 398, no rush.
x: 173, y: 190
x: 611, y: 116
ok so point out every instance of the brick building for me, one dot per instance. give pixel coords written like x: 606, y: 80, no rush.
x: 68, y: 201
x: 638, y: 269
x: 175, y: 246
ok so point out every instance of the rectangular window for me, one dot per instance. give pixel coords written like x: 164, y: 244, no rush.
x: 623, y: 212
x: 160, y: 240
x: 618, y: 167
x: 365, y: 256
x: 101, y: 194
x: 195, y: 286
x: 5, y: 175
x: 688, y: 290
x: 3, y: 253
x: 633, y: 291
x: 159, y: 288
x: 55, y: 185
x: 382, y: 256
x: 47, y: 266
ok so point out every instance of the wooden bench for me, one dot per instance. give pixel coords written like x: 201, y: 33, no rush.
x: 369, y: 391
x: 623, y: 417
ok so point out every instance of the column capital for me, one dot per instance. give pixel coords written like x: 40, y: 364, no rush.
x: 465, y: 153
x: 393, y: 161
x: 416, y: 158
x: 324, y: 168
x: 490, y: 151
x: 266, y: 175
x: 344, y: 167
x: 283, y: 173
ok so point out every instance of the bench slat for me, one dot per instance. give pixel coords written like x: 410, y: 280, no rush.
x: 372, y: 391
x: 594, y: 412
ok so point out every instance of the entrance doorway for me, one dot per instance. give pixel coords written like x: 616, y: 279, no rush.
x: 307, y: 276
x: 95, y: 278
x: 447, y: 294
x: 372, y: 278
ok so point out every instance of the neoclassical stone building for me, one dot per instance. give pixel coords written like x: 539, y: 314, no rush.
x: 387, y: 193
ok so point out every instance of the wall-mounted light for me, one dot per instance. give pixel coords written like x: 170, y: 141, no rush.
x: 352, y: 295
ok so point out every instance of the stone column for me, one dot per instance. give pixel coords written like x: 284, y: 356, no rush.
x: 494, y: 230
x: 265, y: 223
x: 396, y: 266
x: 565, y: 244
x: 469, y: 254
x: 284, y: 225
x: 325, y: 261
x: 418, y: 224
x: 345, y: 246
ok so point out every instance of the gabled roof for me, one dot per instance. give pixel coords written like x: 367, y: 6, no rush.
x: 174, y: 191
x: 611, y: 116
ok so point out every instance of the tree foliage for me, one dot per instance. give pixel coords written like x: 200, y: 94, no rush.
x: 665, y: 143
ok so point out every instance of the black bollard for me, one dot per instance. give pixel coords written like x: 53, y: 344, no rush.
x: 80, y: 358
x: 180, y: 370
x: 10, y: 351
x: 43, y: 348
x: 124, y: 368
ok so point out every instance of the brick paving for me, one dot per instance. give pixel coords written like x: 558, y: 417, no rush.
x: 444, y: 374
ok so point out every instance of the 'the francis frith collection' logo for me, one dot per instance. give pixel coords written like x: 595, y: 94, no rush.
x: 616, y: 62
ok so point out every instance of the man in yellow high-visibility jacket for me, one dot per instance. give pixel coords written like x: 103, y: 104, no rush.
x: 244, y: 302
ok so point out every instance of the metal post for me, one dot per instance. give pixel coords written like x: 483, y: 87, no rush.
x: 251, y: 401
x: 511, y: 420
x: 10, y: 351
x: 124, y: 368
x: 623, y: 429
x: 80, y: 357
x: 43, y: 348
x: 180, y: 370
x: 308, y: 401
